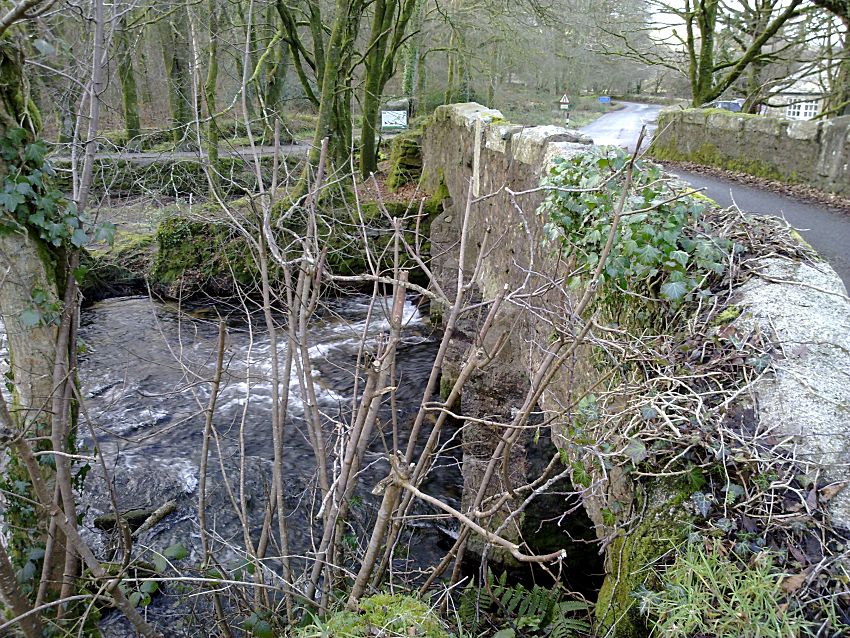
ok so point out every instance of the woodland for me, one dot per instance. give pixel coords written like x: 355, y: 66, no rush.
x: 218, y: 169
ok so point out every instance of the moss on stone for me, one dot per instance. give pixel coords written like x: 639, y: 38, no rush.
x: 702, y: 197
x: 730, y: 114
x: 405, y: 159
x: 668, y: 145
x: 440, y: 194
x: 799, y: 238
x: 708, y: 154
x: 630, y: 558
x: 390, y: 615
x: 212, y: 257
x: 203, y: 256
x: 727, y: 316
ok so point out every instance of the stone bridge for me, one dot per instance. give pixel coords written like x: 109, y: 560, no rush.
x: 489, y: 172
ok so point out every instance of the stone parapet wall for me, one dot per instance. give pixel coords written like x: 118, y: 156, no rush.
x: 470, y: 152
x: 814, y: 153
x: 488, y: 172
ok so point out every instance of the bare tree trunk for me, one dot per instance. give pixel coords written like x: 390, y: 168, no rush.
x: 273, y: 100
x: 30, y: 269
x: 11, y: 593
x: 127, y: 78
x: 174, y: 42
x: 328, y: 122
x: 373, y: 85
x: 838, y: 101
x: 210, y: 88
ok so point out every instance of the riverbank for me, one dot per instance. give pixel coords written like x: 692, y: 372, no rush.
x: 179, y: 248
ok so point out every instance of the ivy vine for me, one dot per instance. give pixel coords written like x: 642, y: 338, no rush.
x: 29, y: 199
x: 664, y: 246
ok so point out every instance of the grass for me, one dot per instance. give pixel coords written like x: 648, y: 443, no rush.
x: 707, y: 593
x: 524, y: 105
x: 384, y: 615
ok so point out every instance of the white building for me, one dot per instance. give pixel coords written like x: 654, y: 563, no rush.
x: 802, y: 100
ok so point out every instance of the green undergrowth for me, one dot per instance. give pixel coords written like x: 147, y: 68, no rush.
x: 664, y: 248
x: 670, y: 437
x: 496, y: 608
x: 541, y: 108
x: 518, y: 610
x: 387, y: 615
x: 707, y: 592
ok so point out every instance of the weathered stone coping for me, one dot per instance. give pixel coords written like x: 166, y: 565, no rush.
x: 814, y: 153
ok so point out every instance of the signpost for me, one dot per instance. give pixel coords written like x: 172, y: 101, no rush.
x: 604, y: 99
x: 393, y: 120
x: 565, y: 107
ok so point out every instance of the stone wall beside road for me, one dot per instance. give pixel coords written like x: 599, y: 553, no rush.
x: 491, y: 235
x: 802, y: 152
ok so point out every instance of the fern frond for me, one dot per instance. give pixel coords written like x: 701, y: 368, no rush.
x: 566, y: 627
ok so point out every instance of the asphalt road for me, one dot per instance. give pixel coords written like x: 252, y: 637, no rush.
x: 826, y: 229
x: 622, y: 127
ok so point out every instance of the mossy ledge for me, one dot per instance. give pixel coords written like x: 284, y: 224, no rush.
x: 206, y: 256
x: 794, y: 152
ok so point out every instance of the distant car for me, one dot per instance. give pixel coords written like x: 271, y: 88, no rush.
x: 727, y: 105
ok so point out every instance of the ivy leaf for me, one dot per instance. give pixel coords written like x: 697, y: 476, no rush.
x: 705, y: 250
x: 149, y: 587
x: 674, y: 290
x: 262, y: 629
x: 648, y: 412
x: 44, y: 47
x: 703, y: 503
x: 16, y: 136
x: 636, y: 451
x: 680, y: 256
x: 79, y: 238
x: 36, y: 553
x: 734, y: 492
x: 24, y: 188
x: 28, y: 571
x: 80, y: 274
x: 38, y: 219
x: 724, y: 524
x: 30, y: 318
x: 648, y: 253
x: 160, y: 564
x: 11, y: 200
x: 105, y: 232
x: 177, y: 551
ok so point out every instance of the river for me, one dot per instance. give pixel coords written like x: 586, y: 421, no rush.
x: 145, y: 368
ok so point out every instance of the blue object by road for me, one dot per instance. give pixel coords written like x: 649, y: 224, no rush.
x: 604, y: 99
x: 736, y: 106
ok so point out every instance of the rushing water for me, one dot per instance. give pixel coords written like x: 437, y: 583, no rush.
x: 145, y: 370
